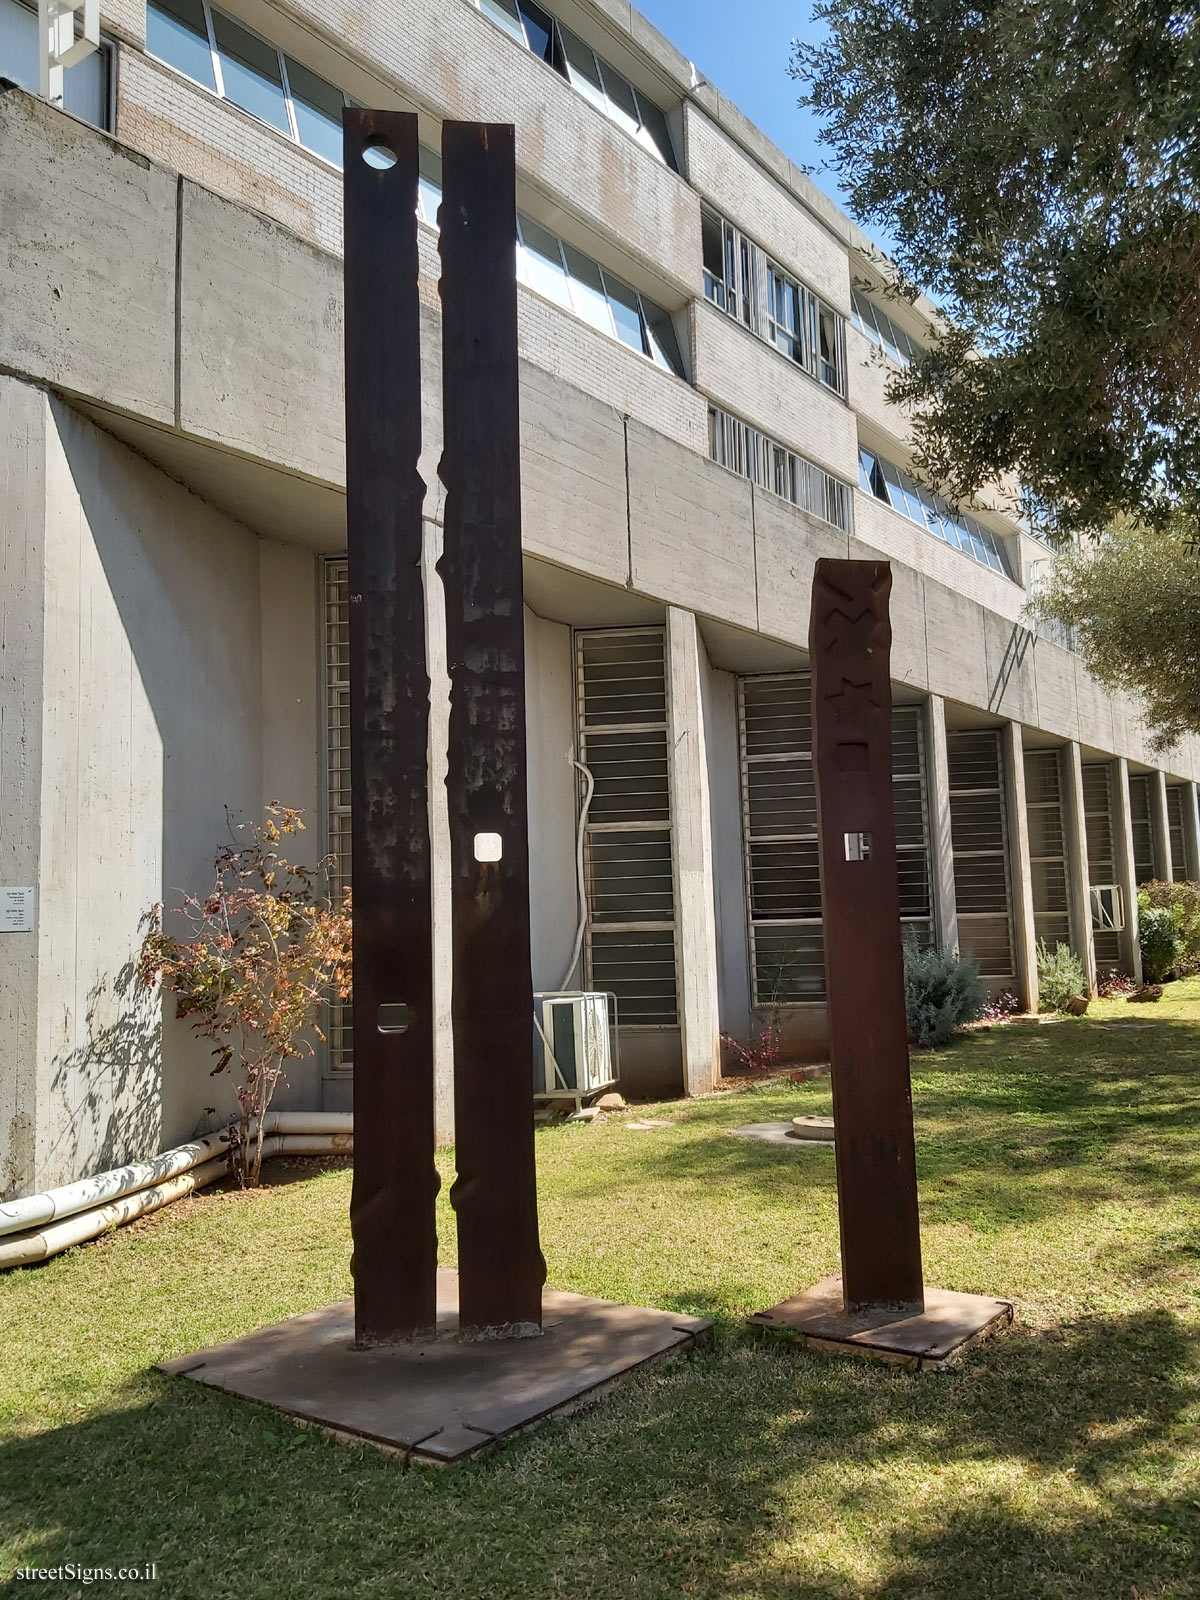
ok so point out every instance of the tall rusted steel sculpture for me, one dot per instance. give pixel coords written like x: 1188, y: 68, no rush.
x: 850, y: 648
x: 395, y: 1179
x: 880, y: 1305
x: 501, y: 1270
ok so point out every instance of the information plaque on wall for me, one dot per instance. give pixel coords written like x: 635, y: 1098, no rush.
x: 16, y: 910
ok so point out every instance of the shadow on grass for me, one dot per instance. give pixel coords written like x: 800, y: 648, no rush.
x: 703, y: 1477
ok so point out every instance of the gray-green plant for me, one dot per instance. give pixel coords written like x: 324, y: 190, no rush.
x: 942, y: 991
x: 1060, y: 976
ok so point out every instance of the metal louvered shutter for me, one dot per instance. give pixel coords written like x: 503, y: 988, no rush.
x: 779, y: 815
x: 1098, y: 779
x: 337, y: 773
x: 1048, y: 866
x: 1175, y: 833
x: 1143, y: 827
x: 912, y: 823
x: 621, y: 701
x: 979, y: 835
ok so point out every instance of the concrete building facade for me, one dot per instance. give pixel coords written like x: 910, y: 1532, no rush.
x: 705, y: 341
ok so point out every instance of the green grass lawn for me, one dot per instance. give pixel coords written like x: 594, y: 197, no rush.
x: 1059, y: 1167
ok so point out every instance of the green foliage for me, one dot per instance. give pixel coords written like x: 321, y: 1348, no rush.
x: 1036, y: 169
x: 1159, y: 937
x: 942, y: 990
x: 1134, y: 603
x: 1060, y: 976
x: 1184, y: 901
x: 263, y: 951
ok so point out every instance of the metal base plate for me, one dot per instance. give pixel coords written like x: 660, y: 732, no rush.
x: 440, y: 1400
x: 950, y: 1325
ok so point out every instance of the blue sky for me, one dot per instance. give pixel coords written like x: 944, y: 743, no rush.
x: 743, y: 48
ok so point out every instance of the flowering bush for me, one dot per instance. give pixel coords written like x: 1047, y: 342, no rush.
x: 259, y: 956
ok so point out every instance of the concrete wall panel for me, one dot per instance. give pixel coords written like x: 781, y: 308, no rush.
x: 787, y: 546
x: 87, y: 289
x: 690, y: 530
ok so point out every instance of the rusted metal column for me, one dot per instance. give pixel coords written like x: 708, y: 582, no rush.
x: 850, y: 645
x: 501, y: 1270
x: 395, y: 1179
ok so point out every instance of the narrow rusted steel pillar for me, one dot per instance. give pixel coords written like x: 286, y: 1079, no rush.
x: 501, y: 1270
x: 850, y: 646
x: 395, y: 1179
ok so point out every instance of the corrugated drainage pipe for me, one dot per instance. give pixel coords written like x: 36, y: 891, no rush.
x: 80, y: 1211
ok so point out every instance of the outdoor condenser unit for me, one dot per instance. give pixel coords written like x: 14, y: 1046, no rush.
x: 573, y: 1044
x: 1108, y: 906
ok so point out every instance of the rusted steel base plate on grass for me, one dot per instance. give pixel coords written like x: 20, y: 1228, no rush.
x: 950, y: 1325
x: 440, y: 1400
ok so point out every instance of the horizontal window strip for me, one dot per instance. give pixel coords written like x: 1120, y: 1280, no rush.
x: 873, y: 321
x: 772, y: 466
x: 885, y: 481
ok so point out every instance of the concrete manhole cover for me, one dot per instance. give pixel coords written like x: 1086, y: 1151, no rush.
x: 782, y: 1133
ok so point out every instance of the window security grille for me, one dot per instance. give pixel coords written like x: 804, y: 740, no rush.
x: 979, y: 835
x: 787, y: 957
x: 1143, y: 827
x: 1047, y: 845
x: 337, y: 773
x: 621, y: 699
x: 744, y: 450
x: 1175, y: 832
x: 1101, y: 855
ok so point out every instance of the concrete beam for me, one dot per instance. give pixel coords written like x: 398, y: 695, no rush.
x: 692, y: 855
x: 1024, y: 937
x: 941, y: 844
x: 1078, y: 878
x: 1122, y: 823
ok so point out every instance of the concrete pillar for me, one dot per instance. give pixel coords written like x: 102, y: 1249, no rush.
x: 1161, y: 826
x: 941, y: 847
x: 1122, y: 825
x: 692, y: 855
x: 1075, y: 828
x: 1191, y: 831
x: 1024, y: 937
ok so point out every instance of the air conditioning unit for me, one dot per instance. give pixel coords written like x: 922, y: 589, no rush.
x: 573, y: 1044
x: 1108, y: 906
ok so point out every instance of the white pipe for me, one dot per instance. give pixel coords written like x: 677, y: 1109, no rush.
x: 87, y: 1193
x: 29, y: 1247
x: 580, y: 876
x: 24, y: 1249
x: 307, y: 1122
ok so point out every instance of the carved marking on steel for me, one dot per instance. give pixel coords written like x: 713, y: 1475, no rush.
x: 850, y: 645
x: 395, y: 1180
x: 501, y: 1270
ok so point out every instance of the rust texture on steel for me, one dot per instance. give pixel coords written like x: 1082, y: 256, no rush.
x: 850, y: 646
x: 501, y: 1270
x: 395, y: 1179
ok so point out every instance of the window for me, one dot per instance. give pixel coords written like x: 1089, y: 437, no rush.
x: 1048, y: 866
x: 744, y: 283
x: 1175, y: 833
x: 337, y: 774
x: 886, y: 335
x: 741, y: 448
x: 608, y: 90
x: 85, y: 85
x: 1098, y: 778
x: 1142, y: 818
x: 883, y: 480
x: 621, y: 700
x: 579, y: 284
x: 979, y: 838
x: 220, y: 54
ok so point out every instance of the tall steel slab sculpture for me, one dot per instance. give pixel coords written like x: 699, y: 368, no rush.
x: 501, y: 1270
x: 395, y: 1179
x: 850, y: 649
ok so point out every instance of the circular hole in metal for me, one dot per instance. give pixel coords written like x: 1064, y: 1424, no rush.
x: 379, y: 154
